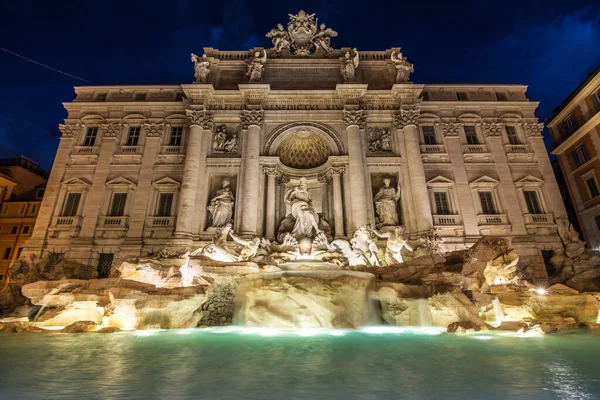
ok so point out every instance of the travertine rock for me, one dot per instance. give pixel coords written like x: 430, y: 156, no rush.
x: 80, y: 327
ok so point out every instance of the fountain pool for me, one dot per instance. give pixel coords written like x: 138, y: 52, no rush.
x: 258, y: 363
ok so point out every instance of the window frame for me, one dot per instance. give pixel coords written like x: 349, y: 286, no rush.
x: 532, y: 184
x: 180, y: 137
x: 138, y: 132
x: 90, y: 140
x: 475, y: 135
x: 580, y: 155
x: 487, y: 184
x: 431, y: 134
x: 77, y: 211
x: 514, y: 135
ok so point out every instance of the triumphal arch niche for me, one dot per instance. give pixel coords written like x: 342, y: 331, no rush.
x: 299, y: 149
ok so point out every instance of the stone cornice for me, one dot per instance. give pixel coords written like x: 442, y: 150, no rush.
x: 578, y: 134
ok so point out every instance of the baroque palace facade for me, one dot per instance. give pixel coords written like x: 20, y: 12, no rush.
x: 336, y: 139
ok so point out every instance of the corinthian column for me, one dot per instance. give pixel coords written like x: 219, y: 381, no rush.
x: 271, y: 173
x: 251, y: 125
x: 407, y: 121
x: 200, y: 122
x: 338, y: 211
x: 354, y: 120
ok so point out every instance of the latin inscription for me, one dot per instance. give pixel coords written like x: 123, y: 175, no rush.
x: 302, y: 75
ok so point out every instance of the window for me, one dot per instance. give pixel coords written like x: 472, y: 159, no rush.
x: 429, y: 135
x: 533, y: 205
x: 39, y: 193
x: 25, y: 229
x: 71, y: 205
x: 14, y: 230
x: 90, y: 137
x: 104, y: 265
x: 487, y: 202
x: 175, y: 139
x: 511, y: 133
x: 7, y: 252
x: 597, y: 219
x: 117, y: 206
x: 33, y: 208
x: 462, y: 96
x: 133, y: 136
x: 592, y: 187
x: 441, y: 203
x: 569, y: 126
x: 140, y: 96
x: 501, y: 96
x: 165, y: 203
x: 580, y: 155
x: 471, y: 135
x: 19, y: 250
x: 596, y: 100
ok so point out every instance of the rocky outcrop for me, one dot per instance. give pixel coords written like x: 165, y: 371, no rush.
x: 219, y: 306
x: 305, y: 299
x: 80, y: 327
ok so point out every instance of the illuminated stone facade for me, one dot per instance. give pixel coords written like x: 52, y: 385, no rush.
x: 138, y: 167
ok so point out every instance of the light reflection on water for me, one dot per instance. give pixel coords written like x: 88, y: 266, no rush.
x: 256, y: 363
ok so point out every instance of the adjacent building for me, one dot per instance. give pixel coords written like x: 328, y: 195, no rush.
x: 141, y: 168
x: 575, y: 131
x: 22, y: 185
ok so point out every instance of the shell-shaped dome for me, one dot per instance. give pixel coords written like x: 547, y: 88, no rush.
x: 304, y: 150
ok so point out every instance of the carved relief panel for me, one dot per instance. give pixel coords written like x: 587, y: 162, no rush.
x: 226, y: 140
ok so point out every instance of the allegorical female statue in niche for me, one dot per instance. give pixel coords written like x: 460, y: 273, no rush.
x: 221, y: 206
x: 385, y: 204
x: 307, y: 219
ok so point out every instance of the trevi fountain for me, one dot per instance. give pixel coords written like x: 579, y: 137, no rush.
x: 336, y: 297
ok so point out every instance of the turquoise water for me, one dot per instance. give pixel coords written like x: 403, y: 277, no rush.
x: 230, y: 363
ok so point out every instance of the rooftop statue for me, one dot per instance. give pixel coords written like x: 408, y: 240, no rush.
x: 403, y: 67
x: 201, y: 68
x: 348, y: 66
x: 256, y: 66
x: 303, y: 36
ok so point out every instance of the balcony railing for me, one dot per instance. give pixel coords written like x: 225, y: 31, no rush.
x: 538, y: 218
x: 114, y: 222
x: 432, y: 148
x: 86, y: 150
x: 474, y: 148
x: 171, y: 149
x: 131, y: 149
x: 162, y: 221
x: 446, y: 219
x: 67, y: 222
x: 516, y: 148
x: 492, y: 219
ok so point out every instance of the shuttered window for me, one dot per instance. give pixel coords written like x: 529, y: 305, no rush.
x: 592, y: 187
x: 487, y: 202
x: 471, y: 135
x: 511, y: 133
x: 71, y: 205
x: 533, y: 205
x: 580, y: 155
x: 165, y: 203
x: 429, y: 135
x: 441, y: 203
x: 117, y: 206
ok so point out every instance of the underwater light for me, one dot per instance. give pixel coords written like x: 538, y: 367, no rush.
x: 540, y: 291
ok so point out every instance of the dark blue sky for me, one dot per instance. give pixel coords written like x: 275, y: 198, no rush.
x: 550, y: 45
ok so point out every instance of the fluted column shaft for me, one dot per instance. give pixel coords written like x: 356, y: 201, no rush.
x: 200, y: 122
x: 338, y: 207
x: 251, y: 122
x: 354, y: 119
x: 270, y: 212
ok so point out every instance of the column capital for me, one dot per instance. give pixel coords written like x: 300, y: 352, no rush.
x: 112, y: 130
x: 354, y: 117
x: 492, y: 128
x: 201, y: 118
x: 154, y: 130
x: 450, y: 129
x: 70, y: 131
x: 270, y: 170
x: 406, y: 117
x: 337, y: 169
x: 533, y: 130
x: 252, y: 117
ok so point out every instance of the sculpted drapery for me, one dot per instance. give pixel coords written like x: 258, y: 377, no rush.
x: 221, y: 206
x: 303, y: 211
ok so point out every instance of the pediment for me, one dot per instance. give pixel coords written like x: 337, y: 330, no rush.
x: 93, y: 117
x: 440, y: 180
x: 485, y: 180
x: 120, y: 181
x: 529, y: 180
x: 135, y: 116
x: 77, y: 181
x: 166, y: 181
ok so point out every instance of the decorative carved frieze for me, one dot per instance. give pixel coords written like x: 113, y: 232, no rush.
x: 380, y: 139
x: 252, y: 117
x: 154, y: 130
x: 225, y: 140
x: 113, y: 130
x: 354, y: 117
x: 406, y: 117
x: 70, y: 131
x: 450, y: 128
x: 203, y: 119
x: 492, y: 129
x: 533, y: 129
